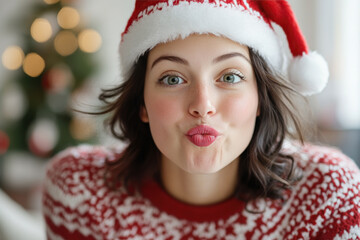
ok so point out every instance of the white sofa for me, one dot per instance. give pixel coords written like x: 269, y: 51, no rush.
x: 16, y: 223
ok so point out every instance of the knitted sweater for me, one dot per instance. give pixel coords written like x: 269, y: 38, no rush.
x: 78, y: 205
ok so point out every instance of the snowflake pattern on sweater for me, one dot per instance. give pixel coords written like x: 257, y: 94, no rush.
x: 324, y: 204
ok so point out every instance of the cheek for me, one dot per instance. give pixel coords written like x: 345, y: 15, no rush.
x: 240, y: 114
x: 163, y: 115
x: 162, y: 109
x: 240, y: 110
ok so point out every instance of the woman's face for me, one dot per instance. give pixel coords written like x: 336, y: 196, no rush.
x: 201, y: 101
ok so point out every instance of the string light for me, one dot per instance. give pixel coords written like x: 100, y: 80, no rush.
x: 51, y: 1
x: 89, y: 40
x: 33, y: 65
x: 65, y: 43
x: 13, y: 57
x: 68, y: 17
x: 41, y: 30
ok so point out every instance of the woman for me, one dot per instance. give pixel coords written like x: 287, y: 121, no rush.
x: 207, y: 111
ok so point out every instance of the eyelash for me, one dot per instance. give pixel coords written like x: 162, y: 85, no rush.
x: 161, y: 80
x: 233, y: 72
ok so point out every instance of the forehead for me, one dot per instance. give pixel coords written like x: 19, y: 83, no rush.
x: 206, y: 44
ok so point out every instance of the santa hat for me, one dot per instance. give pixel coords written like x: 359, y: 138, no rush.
x: 269, y: 27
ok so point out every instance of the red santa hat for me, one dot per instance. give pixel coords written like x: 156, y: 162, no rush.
x: 269, y: 27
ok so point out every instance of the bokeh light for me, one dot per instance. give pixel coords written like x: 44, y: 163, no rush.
x: 33, y: 65
x: 13, y: 57
x: 43, y: 137
x: 58, y: 79
x: 51, y: 1
x: 4, y: 142
x: 82, y: 128
x: 41, y: 30
x: 67, y: 2
x: 68, y: 17
x: 89, y: 40
x: 65, y: 43
x: 13, y: 102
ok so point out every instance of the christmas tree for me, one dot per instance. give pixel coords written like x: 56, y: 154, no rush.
x: 51, y: 67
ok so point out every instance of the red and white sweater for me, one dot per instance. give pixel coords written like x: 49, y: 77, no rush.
x: 325, y: 204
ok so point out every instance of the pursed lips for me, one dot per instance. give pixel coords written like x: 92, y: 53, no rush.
x: 202, y: 135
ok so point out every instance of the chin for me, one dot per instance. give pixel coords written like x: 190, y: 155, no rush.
x: 202, y: 166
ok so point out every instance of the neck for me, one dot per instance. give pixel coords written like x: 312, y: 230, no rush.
x: 199, y: 189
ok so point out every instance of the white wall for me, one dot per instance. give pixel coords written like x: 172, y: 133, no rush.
x: 109, y: 17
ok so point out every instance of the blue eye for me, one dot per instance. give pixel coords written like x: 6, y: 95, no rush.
x: 171, y: 80
x: 232, y: 77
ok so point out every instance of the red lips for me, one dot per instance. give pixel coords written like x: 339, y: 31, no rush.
x: 202, y: 136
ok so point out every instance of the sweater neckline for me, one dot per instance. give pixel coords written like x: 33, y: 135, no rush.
x: 162, y: 200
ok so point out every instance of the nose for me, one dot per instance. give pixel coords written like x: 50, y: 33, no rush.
x: 202, y: 102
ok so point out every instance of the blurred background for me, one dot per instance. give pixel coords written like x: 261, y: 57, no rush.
x: 57, y: 54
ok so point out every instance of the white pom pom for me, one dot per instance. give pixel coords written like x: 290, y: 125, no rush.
x: 309, y: 73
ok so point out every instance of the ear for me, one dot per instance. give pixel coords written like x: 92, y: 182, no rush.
x: 258, y: 111
x: 143, y: 114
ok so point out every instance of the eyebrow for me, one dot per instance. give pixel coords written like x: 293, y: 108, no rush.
x: 230, y: 55
x: 170, y: 58
x: 184, y: 62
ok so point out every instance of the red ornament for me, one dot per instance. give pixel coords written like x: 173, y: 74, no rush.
x: 46, y: 83
x: 57, y: 79
x: 4, y: 142
x: 35, y: 149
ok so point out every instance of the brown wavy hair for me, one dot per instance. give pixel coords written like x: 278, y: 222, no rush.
x: 263, y: 170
